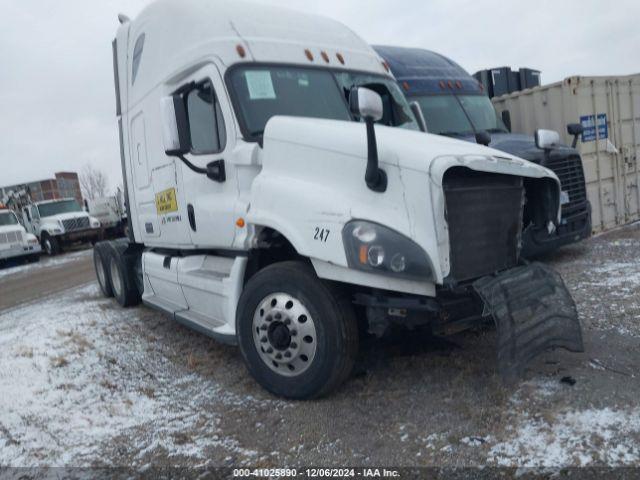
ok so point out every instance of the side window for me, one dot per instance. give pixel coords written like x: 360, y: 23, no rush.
x: 34, y: 212
x: 206, y: 124
x: 26, y: 211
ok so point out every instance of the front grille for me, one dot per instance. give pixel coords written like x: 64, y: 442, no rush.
x: 569, y: 171
x: 484, y: 215
x: 75, y: 224
x: 11, y: 237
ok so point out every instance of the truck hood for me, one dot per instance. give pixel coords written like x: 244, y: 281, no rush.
x: 65, y: 216
x: 408, y: 149
x: 312, y: 180
x: 12, y: 228
x: 518, y: 144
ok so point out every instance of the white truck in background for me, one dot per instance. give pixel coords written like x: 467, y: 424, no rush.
x: 59, y: 223
x: 111, y: 213
x: 280, y: 196
x: 15, y: 243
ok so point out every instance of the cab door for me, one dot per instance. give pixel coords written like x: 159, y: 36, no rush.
x: 210, y: 204
x: 35, y: 219
x: 26, y: 220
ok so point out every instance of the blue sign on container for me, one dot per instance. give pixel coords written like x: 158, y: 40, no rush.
x: 589, y: 125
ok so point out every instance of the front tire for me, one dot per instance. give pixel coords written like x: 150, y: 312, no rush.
x: 51, y: 245
x: 298, y: 334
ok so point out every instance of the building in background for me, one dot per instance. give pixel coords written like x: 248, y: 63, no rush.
x: 64, y: 185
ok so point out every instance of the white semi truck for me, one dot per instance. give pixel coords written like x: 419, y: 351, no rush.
x: 15, y: 243
x: 281, y: 198
x: 58, y: 223
x: 110, y: 212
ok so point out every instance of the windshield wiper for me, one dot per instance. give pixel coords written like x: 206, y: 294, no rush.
x: 455, y: 134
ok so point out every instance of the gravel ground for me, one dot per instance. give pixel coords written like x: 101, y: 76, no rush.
x: 85, y: 383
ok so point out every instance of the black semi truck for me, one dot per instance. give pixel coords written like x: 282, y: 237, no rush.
x: 455, y: 104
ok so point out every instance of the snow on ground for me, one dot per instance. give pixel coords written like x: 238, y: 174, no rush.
x: 68, y: 388
x: 583, y: 437
x: 622, y: 276
x: 538, y: 437
x: 44, y: 262
x: 83, y: 382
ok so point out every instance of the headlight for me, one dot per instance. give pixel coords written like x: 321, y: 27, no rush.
x: 32, y: 240
x: 55, y: 231
x: 375, y: 248
x: 95, y: 224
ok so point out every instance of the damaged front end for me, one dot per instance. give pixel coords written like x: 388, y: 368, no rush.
x: 485, y: 213
x: 532, y: 308
x: 533, y: 312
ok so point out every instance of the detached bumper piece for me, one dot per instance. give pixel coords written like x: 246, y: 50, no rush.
x: 533, y: 311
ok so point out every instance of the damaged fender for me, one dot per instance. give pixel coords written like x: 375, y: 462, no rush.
x: 533, y: 312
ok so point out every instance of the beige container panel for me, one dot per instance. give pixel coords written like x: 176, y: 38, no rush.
x: 611, y: 165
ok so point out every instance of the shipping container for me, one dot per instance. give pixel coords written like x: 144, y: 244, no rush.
x: 502, y: 80
x: 609, y: 110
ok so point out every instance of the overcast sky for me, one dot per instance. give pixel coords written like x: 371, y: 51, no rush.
x: 56, y: 82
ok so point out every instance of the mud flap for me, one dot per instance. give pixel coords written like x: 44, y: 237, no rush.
x: 533, y: 311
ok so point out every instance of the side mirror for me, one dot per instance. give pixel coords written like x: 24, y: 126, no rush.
x: 547, y: 139
x: 175, y: 134
x: 483, y: 138
x: 367, y: 104
x: 417, y: 112
x: 575, y: 130
x: 506, y: 119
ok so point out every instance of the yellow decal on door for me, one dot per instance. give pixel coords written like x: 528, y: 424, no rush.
x: 166, y: 201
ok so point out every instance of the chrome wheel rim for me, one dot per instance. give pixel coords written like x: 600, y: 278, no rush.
x: 284, y: 334
x: 102, y: 276
x: 115, y: 278
x: 47, y: 246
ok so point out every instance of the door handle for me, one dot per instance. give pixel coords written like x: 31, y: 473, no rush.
x: 192, y: 217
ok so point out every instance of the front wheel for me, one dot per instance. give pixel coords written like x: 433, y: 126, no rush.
x: 51, y: 245
x: 298, y: 335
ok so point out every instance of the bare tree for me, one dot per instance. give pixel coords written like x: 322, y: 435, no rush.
x: 93, y: 183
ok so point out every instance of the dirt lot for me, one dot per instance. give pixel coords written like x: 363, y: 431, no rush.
x: 86, y: 383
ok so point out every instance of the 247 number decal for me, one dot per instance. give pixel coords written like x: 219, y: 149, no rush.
x: 321, y: 234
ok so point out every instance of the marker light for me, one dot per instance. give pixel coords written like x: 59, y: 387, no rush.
x: 309, y: 55
x: 340, y: 58
x: 241, y: 51
x: 240, y: 222
x: 324, y: 56
x: 363, y: 254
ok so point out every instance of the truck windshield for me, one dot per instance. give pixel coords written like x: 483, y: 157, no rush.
x: 7, y: 218
x: 261, y: 92
x: 459, y: 114
x: 55, y: 208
